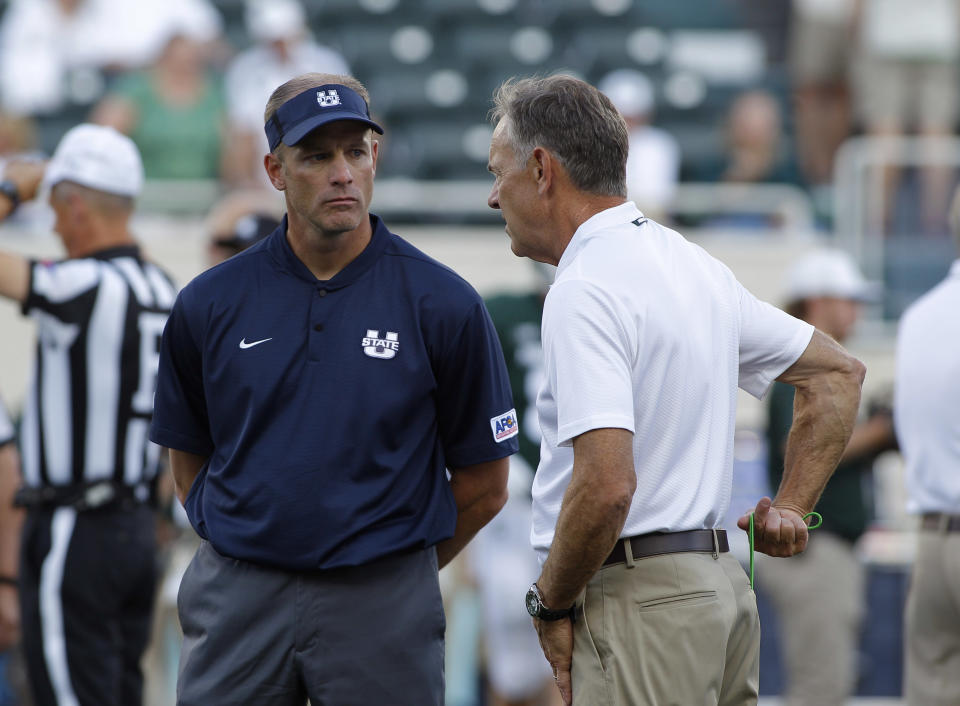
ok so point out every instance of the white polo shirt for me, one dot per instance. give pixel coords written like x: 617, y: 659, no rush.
x: 645, y: 331
x: 926, y: 409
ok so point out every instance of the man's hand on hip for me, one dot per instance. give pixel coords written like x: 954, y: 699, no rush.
x: 556, y: 641
x: 777, y: 531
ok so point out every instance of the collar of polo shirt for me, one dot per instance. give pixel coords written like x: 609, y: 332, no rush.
x: 317, y: 106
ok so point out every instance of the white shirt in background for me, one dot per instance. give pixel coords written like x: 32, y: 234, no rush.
x: 42, y: 49
x: 927, y: 397
x: 653, y: 167
x: 642, y: 330
x: 255, y: 73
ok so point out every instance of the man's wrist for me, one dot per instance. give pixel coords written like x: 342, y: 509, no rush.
x: 791, y: 507
x: 7, y: 580
x: 538, y: 608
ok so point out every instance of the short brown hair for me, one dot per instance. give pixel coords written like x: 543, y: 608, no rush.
x: 304, y: 82
x: 574, y: 121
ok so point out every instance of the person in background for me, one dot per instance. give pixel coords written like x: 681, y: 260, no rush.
x: 756, y: 151
x: 174, y: 111
x: 58, y: 53
x: 283, y: 48
x: 927, y: 416
x: 819, y: 595
x: 87, y: 560
x: 822, y: 43
x: 240, y: 220
x: 906, y: 83
x: 653, y: 163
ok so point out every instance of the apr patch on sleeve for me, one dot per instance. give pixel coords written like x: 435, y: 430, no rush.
x: 505, y: 426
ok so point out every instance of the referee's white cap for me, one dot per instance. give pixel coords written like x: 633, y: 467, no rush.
x: 97, y: 157
x: 828, y: 272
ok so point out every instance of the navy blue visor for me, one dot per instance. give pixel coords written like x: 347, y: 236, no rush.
x: 318, y: 106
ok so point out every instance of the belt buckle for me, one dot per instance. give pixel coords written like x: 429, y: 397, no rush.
x: 98, y: 495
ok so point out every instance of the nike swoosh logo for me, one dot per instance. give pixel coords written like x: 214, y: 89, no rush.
x: 245, y: 345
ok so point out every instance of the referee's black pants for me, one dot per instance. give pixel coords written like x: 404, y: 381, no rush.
x: 87, y: 582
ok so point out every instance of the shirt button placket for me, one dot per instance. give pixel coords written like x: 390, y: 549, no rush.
x: 317, y: 315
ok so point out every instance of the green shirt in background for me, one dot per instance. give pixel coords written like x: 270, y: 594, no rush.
x: 175, y: 141
x: 844, y: 505
x: 517, y: 320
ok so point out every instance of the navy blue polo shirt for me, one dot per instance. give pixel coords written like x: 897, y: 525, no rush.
x: 330, y: 410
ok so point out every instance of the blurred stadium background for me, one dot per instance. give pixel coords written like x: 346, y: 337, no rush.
x: 431, y: 66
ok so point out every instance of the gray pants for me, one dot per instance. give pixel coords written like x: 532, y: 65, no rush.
x: 256, y: 636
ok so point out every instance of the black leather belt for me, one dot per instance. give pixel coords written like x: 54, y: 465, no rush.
x: 940, y: 522
x: 83, y: 496
x: 644, y: 545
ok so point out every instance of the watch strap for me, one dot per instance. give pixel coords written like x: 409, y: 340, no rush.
x: 544, y: 613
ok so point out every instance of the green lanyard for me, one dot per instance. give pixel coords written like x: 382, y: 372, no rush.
x: 818, y: 520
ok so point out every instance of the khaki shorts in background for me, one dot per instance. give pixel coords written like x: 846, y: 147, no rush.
x: 918, y: 95
x: 933, y: 622
x: 819, y: 51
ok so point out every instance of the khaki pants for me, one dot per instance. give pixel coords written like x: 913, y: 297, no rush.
x: 819, y: 599
x: 676, y: 629
x: 933, y: 622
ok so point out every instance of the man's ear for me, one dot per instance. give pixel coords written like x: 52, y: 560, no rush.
x: 543, y: 166
x: 274, y: 167
x: 374, y: 153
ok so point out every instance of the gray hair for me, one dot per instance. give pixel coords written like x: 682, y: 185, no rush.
x: 574, y: 121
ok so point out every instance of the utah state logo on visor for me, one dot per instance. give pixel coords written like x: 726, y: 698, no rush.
x: 328, y: 98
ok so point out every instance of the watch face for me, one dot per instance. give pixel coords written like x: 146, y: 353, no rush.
x: 533, y: 603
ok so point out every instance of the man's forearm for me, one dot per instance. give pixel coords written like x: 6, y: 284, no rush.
x: 587, y: 531
x: 11, y: 518
x: 479, y: 491
x: 592, y: 515
x: 185, y: 467
x: 825, y: 411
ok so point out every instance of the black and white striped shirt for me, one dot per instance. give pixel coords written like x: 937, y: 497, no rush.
x: 6, y: 426
x: 99, y: 322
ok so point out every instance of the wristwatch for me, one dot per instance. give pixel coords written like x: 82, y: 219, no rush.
x: 537, y: 609
x: 10, y: 190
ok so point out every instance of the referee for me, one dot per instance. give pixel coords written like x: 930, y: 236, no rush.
x: 87, y: 571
